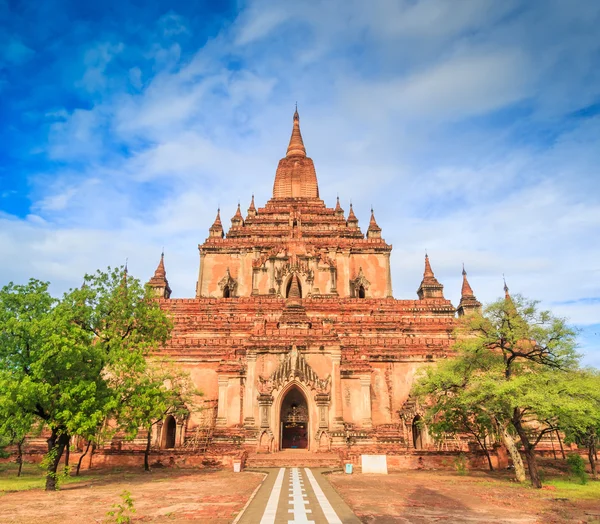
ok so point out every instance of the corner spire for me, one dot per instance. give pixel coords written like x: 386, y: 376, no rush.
x: 159, y: 282
x: 296, y: 146
x: 237, y: 220
x: 252, y: 209
x: 374, y: 230
x: 468, y: 302
x: 466, y: 290
x: 216, y: 230
x: 352, y: 220
x: 428, y: 271
x: 430, y: 287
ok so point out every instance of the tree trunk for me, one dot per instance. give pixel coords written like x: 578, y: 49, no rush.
x: 562, y: 450
x: 67, y: 452
x: 56, y: 446
x: 147, y: 452
x: 511, y: 447
x: 487, y: 454
x: 20, y: 455
x: 592, y: 455
x: 552, y: 442
x: 80, y: 461
x: 529, y: 452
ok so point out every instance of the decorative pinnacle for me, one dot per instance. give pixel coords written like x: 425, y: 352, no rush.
x: 217, y: 223
x: 428, y: 271
x: 296, y: 146
x: 351, y: 215
x: 160, y: 270
x: 466, y: 290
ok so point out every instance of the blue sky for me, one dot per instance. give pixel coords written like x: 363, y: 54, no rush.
x: 471, y: 127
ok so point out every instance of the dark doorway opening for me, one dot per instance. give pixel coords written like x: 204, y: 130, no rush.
x: 294, y: 420
x: 226, y: 292
x: 169, y: 428
x: 361, y: 292
x: 417, y: 432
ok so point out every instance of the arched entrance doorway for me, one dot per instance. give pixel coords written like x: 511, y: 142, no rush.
x: 294, y: 420
x: 417, y: 432
x: 169, y: 429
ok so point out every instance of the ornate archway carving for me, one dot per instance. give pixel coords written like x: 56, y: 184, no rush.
x: 359, y: 282
x: 294, y: 367
x: 228, y: 285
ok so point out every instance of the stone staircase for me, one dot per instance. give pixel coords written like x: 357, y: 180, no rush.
x: 293, y: 458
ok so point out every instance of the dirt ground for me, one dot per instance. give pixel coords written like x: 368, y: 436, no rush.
x: 421, y: 497
x: 426, y: 497
x: 173, y: 496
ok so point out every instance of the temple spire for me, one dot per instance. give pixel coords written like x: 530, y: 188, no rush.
x: 237, y: 220
x: 428, y: 271
x: 374, y: 230
x: 352, y: 220
x: 159, y: 282
x: 252, y: 209
x: 430, y: 287
x: 216, y: 230
x: 466, y: 290
x: 296, y: 176
x: 338, y: 209
x: 296, y: 146
x: 468, y: 302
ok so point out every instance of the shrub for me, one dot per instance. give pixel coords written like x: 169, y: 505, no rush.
x: 121, y: 512
x: 460, y: 464
x: 577, y: 467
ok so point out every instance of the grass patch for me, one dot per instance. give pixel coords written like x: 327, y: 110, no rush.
x: 573, y: 490
x: 32, y: 477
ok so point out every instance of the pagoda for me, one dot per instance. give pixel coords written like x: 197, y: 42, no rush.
x: 294, y: 336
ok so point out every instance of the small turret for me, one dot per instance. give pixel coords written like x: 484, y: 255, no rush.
x: 159, y: 282
x: 237, y: 219
x: 430, y: 287
x: 216, y: 230
x: 252, y: 209
x: 338, y: 209
x: 352, y: 221
x: 374, y: 230
x: 468, y: 303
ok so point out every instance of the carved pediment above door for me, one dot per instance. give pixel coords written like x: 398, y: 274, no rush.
x: 228, y: 285
x: 294, y: 366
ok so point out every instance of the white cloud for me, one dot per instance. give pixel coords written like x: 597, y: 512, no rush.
x: 395, y: 111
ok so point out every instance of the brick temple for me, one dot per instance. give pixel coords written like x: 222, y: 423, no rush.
x: 294, y: 335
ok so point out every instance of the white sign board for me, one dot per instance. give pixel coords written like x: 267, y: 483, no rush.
x: 374, y: 464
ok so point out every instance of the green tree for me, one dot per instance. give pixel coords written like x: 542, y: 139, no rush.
x: 583, y: 427
x: 159, y: 391
x: 14, y: 429
x: 61, y: 359
x: 518, y: 365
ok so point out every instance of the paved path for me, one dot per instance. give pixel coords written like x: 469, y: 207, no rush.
x: 297, y: 495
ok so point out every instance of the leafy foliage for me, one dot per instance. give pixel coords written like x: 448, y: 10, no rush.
x: 122, y: 511
x: 71, y: 362
x: 515, y: 367
x: 577, y: 467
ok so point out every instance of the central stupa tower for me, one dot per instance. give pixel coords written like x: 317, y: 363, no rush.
x: 294, y: 234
